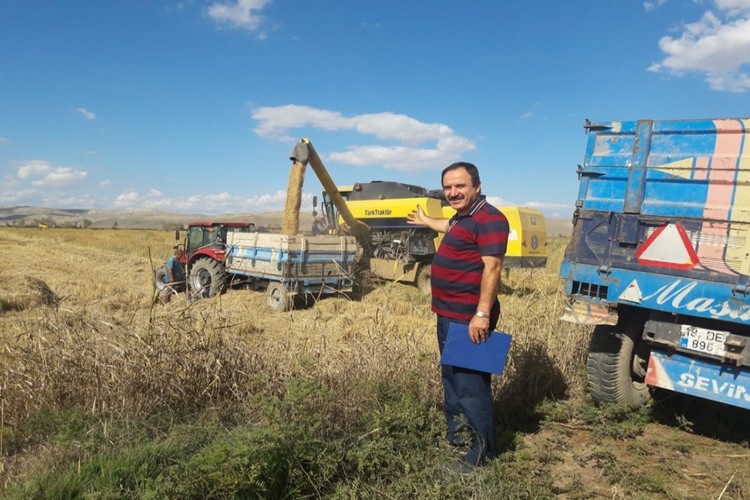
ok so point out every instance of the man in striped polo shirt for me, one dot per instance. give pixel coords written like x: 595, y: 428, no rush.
x: 466, y: 274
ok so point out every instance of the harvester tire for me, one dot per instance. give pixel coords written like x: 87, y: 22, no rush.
x: 422, y: 280
x: 206, y: 278
x: 616, y: 365
x: 278, y: 297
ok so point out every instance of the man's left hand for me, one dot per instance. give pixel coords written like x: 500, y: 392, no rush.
x: 479, y: 329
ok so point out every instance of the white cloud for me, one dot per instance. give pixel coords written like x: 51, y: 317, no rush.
x: 652, y: 6
x: 717, y: 47
x: 495, y: 201
x: 4, y: 140
x: 45, y: 174
x: 10, y: 181
x: 225, y: 202
x: 548, y: 207
x: 68, y: 201
x: 87, y: 114
x: 242, y: 14
x: 213, y: 203
x: 17, y: 196
x: 410, y: 134
x: 61, y: 176
x: 733, y: 7
x: 128, y: 199
x: 105, y: 182
x: 33, y: 168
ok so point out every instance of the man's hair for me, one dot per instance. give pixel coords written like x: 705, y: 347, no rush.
x: 470, y: 168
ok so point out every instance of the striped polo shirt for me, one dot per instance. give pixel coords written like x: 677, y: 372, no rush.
x: 457, y: 266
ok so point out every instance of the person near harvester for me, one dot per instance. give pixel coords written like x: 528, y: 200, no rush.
x: 465, y: 276
x: 320, y: 224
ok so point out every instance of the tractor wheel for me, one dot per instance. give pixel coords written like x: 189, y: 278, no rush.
x: 160, y: 278
x: 206, y: 278
x: 277, y: 297
x: 616, y: 365
x: 423, y: 279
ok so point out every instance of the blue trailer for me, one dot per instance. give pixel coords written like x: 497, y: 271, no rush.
x: 659, y: 259
x: 292, y: 266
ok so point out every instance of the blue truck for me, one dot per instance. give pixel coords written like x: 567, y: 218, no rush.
x: 659, y: 259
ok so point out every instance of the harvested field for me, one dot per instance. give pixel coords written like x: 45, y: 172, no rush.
x: 83, y: 335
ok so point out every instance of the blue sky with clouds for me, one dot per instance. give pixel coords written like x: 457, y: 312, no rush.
x: 194, y: 106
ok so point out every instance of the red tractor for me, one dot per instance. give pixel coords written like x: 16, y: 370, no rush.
x: 205, y: 250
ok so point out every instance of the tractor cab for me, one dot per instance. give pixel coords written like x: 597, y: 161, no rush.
x: 210, y: 238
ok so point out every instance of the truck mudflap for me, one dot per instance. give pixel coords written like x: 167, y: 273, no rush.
x: 722, y: 383
x: 588, y: 313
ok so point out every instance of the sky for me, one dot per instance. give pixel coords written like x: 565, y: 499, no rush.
x: 195, y: 106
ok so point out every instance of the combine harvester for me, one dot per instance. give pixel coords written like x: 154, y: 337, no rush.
x: 397, y: 251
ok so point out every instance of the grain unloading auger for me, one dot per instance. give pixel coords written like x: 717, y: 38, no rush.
x: 392, y: 249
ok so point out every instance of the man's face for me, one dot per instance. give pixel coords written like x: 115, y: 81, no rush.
x: 458, y: 189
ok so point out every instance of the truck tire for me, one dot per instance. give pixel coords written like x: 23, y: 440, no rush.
x: 422, y: 280
x: 616, y: 365
x: 206, y: 278
x: 277, y: 297
x: 160, y: 278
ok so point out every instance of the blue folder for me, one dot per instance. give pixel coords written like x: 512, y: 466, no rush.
x: 489, y: 356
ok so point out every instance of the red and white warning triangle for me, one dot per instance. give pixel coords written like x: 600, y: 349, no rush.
x: 669, y: 246
x: 632, y: 293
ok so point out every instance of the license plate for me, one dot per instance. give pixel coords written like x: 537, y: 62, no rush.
x: 702, y: 340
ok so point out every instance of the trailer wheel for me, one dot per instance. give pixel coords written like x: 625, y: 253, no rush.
x: 616, y: 365
x: 423, y: 279
x: 160, y: 278
x: 277, y: 297
x: 206, y: 277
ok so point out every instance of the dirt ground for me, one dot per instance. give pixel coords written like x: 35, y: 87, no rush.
x: 686, y: 449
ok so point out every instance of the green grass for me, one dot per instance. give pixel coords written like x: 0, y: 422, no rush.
x: 278, y: 447
x: 292, y: 444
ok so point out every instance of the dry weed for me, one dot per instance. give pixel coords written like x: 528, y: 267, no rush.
x: 112, y: 351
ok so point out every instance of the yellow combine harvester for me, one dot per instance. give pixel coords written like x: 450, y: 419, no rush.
x: 527, y: 241
x: 403, y: 252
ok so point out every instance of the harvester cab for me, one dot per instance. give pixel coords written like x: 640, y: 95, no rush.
x: 331, y: 213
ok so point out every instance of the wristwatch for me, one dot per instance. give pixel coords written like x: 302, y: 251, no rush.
x: 481, y: 314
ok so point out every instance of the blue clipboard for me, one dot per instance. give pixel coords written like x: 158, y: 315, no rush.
x: 489, y: 356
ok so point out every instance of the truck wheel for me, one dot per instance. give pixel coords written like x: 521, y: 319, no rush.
x: 277, y: 297
x: 206, y: 277
x: 616, y: 365
x: 160, y: 278
x: 423, y: 279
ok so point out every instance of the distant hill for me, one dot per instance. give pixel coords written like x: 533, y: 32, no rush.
x: 123, y: 218
x: 559, y: 227
x: 144, y: 218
